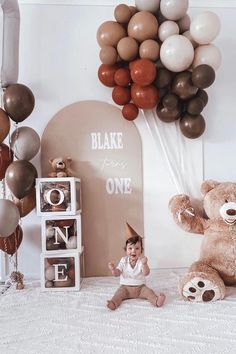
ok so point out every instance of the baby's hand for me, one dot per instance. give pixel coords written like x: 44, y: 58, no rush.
x: 111, y: 266
x: 144, y: 260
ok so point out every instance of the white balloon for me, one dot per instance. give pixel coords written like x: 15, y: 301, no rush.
x: 184, y: 23
x: 50, y: 273
x: 207, y: 54
x: 177, y: 53
x: 10, y: 42
x: 167, y: 29
x: 147, y: 5
x: 72, y: 243
x: 173, y: 9
x: 205, y: 27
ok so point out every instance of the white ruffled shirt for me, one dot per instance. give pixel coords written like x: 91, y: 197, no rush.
x: 129, y: 275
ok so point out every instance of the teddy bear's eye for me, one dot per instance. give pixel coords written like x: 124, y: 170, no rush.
x: 226, y: 201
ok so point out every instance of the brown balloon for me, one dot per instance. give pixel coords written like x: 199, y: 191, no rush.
x: 18, y: 102
x: 108, y: 55
x: 10, y: 244
x: 4, y: 125
x: 203, y: 76
x: 121, y: 95
x: 195, y: 105
x: 130, y: 111
x: 143, y: 72
x: 26, y: 204
x: 170, y: 101
x: 106, y: 74
x: 192, y: 126
x: 122, y: 13
x: 168, y: 115
x: 182, y: 85
x: 203, y: 95
x: 145, y: 97
x: 20, y: 177
x: 6, y: 158
x: 143, y: 25
x: 109, y: 33
x: 163, y: 78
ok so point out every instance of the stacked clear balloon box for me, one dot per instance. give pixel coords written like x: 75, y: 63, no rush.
x: 156, y: 58
x: 15, y: 166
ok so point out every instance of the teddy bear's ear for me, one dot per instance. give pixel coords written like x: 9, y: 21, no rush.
x: 69, y: 159
x: 51, y: 161
x: 208, y: 185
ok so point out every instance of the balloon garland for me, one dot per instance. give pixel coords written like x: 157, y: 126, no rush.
x: 155, y: 57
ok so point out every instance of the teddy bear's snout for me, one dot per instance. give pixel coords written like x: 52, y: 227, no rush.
x: 231, y: 212
x: 228, y: 212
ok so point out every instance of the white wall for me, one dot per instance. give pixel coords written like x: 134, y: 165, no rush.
x: 59, y: 61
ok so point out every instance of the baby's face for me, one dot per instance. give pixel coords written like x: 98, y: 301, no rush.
x: 134, y: 251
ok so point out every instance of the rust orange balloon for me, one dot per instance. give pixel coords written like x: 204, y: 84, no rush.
x: 121, y: 95
x: 143, y: 72
x: 106, y: 74
x: 144, y: 97
x: 130, y: 111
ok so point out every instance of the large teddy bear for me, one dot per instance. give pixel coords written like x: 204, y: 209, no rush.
x: 216, y: 267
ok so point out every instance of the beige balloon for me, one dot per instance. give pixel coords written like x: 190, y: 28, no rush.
x: 127, y: 48
x: 109, y: 33
x: 149, y: 49
x: 25, y: 143
x: 122, y: 13
x: 173, y: 9
x: 207, y: 54
x: 187, y: 34
x: 4, y: 125
x: 108, y: 55
x: 184, y: 23
x: 143, y: 25
x: 167, y: 29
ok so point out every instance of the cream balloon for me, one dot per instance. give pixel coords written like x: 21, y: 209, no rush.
x: 173, y: 9
x: 177, y: 53
x: 72, y: 242
x: 147, y: 5
x: 9, y: 217
x: 205, y: 27
x: 207, y: 54
x: 167, y: 29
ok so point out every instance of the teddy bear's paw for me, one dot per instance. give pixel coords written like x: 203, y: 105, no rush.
x: 199, y: 289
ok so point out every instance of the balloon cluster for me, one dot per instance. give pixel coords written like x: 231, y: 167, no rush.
x: 155, y: 57
x: 20, y: 174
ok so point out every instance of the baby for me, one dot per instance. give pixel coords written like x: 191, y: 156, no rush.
x: 132, y: 270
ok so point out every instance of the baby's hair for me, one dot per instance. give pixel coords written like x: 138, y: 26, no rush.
x: 133, y: 240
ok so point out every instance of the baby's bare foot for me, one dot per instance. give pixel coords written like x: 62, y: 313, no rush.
x: 161, y: 299
x: 111, y: 305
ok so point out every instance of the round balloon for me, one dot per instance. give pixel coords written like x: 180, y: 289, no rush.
x: 122, y: 13
x: 20, y: 177
x: 149, y: 49
x: 26, y: 204
x: 145, y: 97
x: 18, y: 102
x: 192, y: 126
x: 6, y: 158
x: 109, y: 33
x: 121, y: 95
x: 143, y: 25
x: 177, y: 53
x: 9, y: 217
x: 205, y: 27
x: 127, y: 48
x: 147, y: 5
x: 167, y: 29
x: 11, y: 243
x: 108, y: 55
x: 4, y: 124
x: 203, y: 76
x: 183, y: 87
x: 174, y: 9
x: 130, y: 111
x: 207, y: 54
x: 143, y: 72
x: 184, y: 23
x: 25, y: 143
x: 106, y: 74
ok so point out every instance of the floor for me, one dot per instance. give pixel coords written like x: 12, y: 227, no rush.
x: 37, y: 322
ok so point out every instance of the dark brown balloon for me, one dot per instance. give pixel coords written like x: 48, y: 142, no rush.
x: 192, y: 126
x: 106, y: 74
x: 6, y: 158
x: 163, y: 78
x: 168, y: 115
x: 20, y: 178
x: 130, y: 111
x: 121, y: 95
x: 4, y: 125
x: 26, y: 204
x: 195, y: 106
x: 10, y: 244
x: 18, y: 102
x: 145, y: 97
x: 203, y: 76
x: 170, y: 101
x: 203, y: 95
x: 182, y: 86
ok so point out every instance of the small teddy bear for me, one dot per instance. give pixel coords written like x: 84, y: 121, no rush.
x: 207, y: 277
x: 60, y: 167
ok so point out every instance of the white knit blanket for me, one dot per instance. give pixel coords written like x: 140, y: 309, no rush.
x: 36, y: 322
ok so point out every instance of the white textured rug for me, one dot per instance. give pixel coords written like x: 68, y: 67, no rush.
x: 36, y: 322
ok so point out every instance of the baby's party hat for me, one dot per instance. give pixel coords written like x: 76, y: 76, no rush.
x: 129, y: 231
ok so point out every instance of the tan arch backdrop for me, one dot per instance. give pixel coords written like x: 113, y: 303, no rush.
x: 106, y: 154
